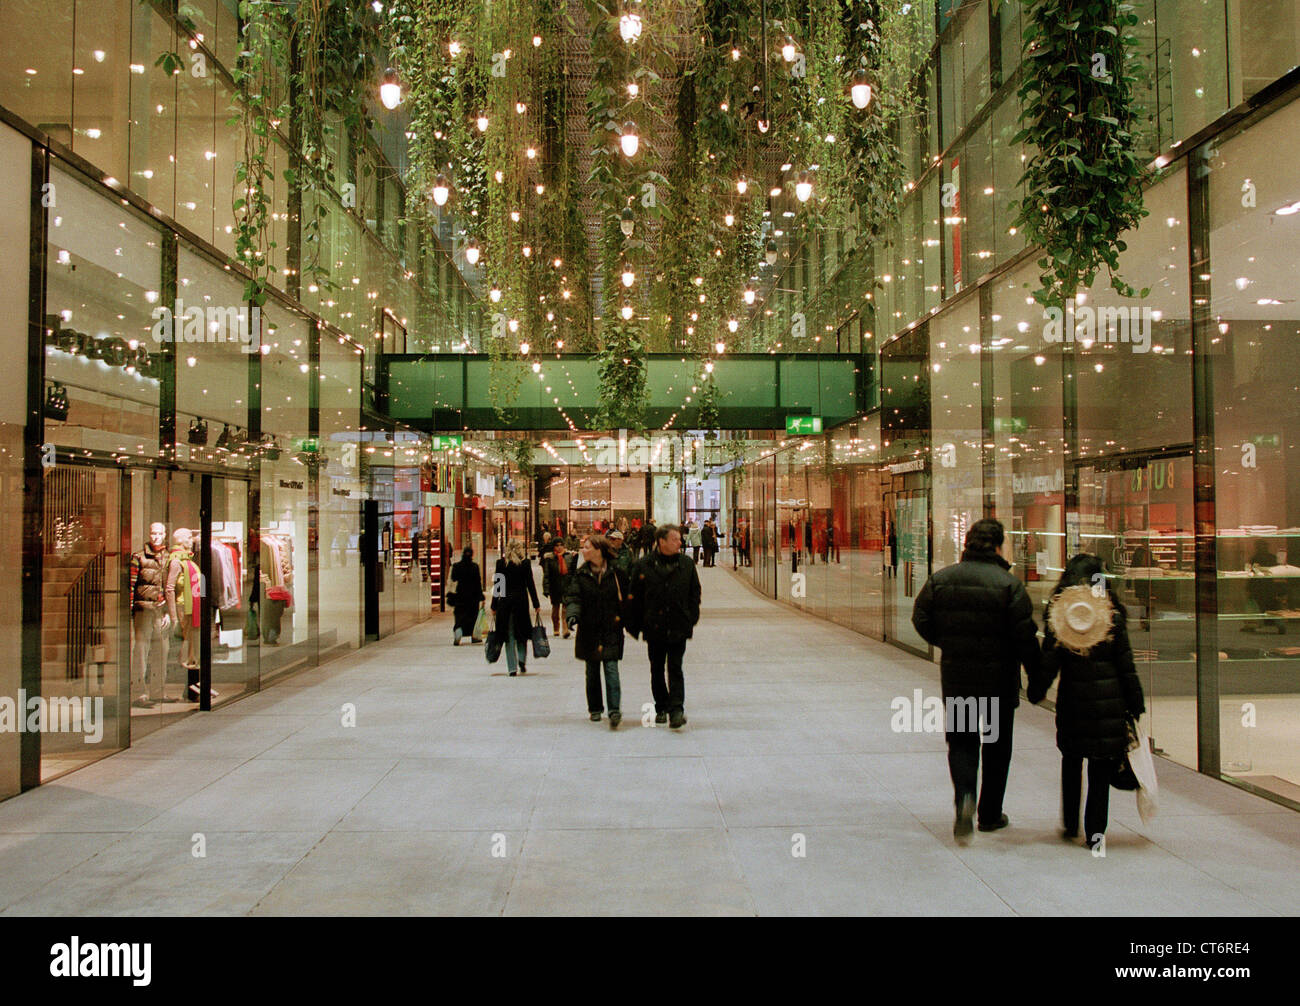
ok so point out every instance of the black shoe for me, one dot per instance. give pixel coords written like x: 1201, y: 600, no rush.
x: 676, y: 720
x: 523, y: 669
x: 615, y: 718
x: 661, y: 717
x: 1070, y: 834
x: 998, y: 825
x: 595, y: 717
x: 511, y: 673
x: 963, y: 827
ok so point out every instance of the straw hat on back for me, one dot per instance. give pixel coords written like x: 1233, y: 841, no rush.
x: 1079, y: 618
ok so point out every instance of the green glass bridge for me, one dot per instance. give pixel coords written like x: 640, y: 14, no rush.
x: 453, y: 391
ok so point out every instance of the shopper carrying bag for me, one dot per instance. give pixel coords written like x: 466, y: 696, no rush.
x: 1086, y: 642
x: 541, y: 646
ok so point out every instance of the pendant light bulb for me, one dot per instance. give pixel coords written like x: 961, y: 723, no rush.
x: 627, y: 312
x: 629, y: 277
x: 513, y: 324
x: 803, y: 187
x: 494, y: 294
x: 732, y: 325
x: 482, y: 123
x: 749, y: 295
x: 720, y: 347
x: 729, y: 219
x: 523, y: 349
x: 627, y: 221
x: 860, y: 91
x: 742, y: 186
x: 472, y: 252
x: 708, y: 367
x: 629, y: 26
x: 788, y: 50
x: 390, y: 90
x: 770, y: 253
x: 441, y: 190
x: 630, y: 141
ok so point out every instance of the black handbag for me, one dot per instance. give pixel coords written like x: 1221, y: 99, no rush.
x: 541, y: 645
x: 492, y: 644
x: 1124, y: 778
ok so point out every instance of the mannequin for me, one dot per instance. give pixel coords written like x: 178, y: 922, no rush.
x: 150, y: 617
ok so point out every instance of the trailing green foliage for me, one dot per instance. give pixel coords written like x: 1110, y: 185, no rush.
x: 1083, y: 180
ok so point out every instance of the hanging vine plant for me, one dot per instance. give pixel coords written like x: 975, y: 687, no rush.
x: 1083, y: 181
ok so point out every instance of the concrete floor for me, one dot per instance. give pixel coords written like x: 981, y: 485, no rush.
x: 462, y: 791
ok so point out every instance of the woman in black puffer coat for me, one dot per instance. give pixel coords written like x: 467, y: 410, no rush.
x: 593, y: 604
x: 1098, y: 694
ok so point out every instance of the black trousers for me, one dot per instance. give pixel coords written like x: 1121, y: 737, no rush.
x: 966, y: 749
x: 1097, y: 812
x: 669, y: 696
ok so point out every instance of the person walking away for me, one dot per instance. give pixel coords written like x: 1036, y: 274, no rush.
x: 512, y: 589
x: 709, y: 539
x: 663, y: 606
x: 982, y: 620
x: 593, y: 605
x: 1086, y: 642
x: 646, y: 542
x: 696, y: 540
x: 622, y: 556
x: 556, y: 569
x: 467, y: 596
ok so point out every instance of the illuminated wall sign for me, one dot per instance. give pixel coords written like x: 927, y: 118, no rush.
x: 588, y: 504
x: 511, y: 504
x: 917, y: 465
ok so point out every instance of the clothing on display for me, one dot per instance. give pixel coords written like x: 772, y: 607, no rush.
x: 277, y: 580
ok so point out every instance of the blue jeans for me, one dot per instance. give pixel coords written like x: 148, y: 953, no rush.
x: 612, y: 690
x: 514, y: 645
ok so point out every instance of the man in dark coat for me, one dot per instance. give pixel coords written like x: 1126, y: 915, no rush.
x: 982, y: 620
x: 709, y: 538
x: 663, y: 605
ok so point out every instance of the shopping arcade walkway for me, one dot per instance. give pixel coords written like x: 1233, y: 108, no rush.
x: 451, y: 761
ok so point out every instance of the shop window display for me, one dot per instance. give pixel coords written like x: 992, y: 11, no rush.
x: 1254, y: 248
x: 288, y: 470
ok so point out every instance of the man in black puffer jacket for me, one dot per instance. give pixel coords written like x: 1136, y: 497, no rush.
x: 982, y: 620
x: 663, y: 605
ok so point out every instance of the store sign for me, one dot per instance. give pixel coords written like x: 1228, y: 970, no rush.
x: 796, y: 425
x: 793, y: 503
x: 446, y: 442
x: 1053, y: 483
x: 511, y: 504
x: 592, y: 504
x: 915, y: 465
x: 291, y: 484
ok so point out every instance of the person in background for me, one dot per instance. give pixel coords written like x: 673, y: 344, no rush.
x: 622, y: 555
x: 556, y: 569
x: 512, y: 589
x: 593, y: 605
x: 982, y: 620
x: 544, y: 549
x: 663, y: 606
x: 709, y: 539
x: 694, y: 539
x: 466, y: 596
x: 1086, y: 642
x: 646, y: 541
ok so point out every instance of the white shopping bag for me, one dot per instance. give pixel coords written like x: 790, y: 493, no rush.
x: 1143, y: 764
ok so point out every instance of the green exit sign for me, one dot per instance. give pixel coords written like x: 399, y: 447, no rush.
x: 307, y: 445
x: 795, y: 425
x: 449, y: 442
x: 1010, y: 424
x: 1267, y: 440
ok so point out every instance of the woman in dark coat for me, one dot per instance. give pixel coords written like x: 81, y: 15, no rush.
x: 593, y: 603
x: 512, y: 589
x: 1087, y: 643
x: 467, y: 596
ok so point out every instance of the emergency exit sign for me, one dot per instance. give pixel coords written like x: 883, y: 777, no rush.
x: 795, y: 425
x: 449, y: 442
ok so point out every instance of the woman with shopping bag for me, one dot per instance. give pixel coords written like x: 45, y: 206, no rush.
x: 1099, y: 697
x: 514, y: 592
x: 466, y: 597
